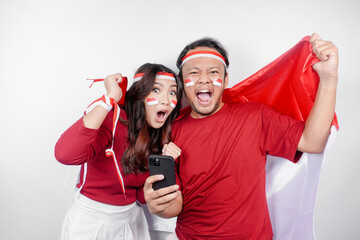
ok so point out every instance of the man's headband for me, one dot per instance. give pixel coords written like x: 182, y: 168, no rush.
x: 196, y: 54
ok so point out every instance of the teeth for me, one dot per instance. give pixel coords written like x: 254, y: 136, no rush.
x: 204, y: 91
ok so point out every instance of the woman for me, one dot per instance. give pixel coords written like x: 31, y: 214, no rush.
x: 113, y: 154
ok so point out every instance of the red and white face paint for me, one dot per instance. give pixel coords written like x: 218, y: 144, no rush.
x: 189, y: 82
x: 218, y: 82
x: 152, y: 101
x: 173, y: 103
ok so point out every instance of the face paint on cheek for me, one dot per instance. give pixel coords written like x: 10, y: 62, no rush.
x: 152, y: 101
x: 218, y: 82
x: 173, y: 103
x: 189, y: 82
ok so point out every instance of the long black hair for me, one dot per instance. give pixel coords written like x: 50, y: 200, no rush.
x: 142, y: 138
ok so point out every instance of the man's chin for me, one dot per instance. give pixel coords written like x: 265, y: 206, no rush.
x: 204, y: 111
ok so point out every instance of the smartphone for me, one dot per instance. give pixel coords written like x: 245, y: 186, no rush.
x: 162, y: 164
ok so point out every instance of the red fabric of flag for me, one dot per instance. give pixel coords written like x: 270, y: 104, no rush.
x: 288, y: 84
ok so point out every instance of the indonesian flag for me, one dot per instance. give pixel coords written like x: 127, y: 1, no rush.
x: 218, y: 82
x: 289, y: 85
x: 152, y: 101
x: 189, y: 82
x: 173, y: 103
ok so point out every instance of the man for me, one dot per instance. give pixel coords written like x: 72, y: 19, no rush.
x: 221, y: 170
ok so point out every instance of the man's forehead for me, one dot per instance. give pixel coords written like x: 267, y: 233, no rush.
x: 203, y: 56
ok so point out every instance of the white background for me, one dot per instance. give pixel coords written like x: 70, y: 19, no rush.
x: 48, y: 48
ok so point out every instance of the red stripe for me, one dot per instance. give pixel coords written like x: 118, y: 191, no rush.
x: 150, y: 99
x: 203, y: 52
x: 188, y: 80
x: 139, y: 75
x: 166, y: 74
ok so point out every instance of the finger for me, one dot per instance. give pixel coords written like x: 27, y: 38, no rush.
x: 119, y: 78
x: 314, y: 37
x: 325, y: 51
x: 159, y: 208
x: 150, y: 180
x: 166, y: 199
x: 174, y: 149
x: 164, y: 148
x: 163, y: 191
x: 173, y: 145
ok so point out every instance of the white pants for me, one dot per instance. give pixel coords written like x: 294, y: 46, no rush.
x: 91, y: 220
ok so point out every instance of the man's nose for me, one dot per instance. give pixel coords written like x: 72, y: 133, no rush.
x: 204, y: 78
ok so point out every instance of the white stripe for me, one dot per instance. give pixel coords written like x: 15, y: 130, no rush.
x: 153, y: 102
x: 117, y: 166
x: 203, y: 55
x: 189, y: 84
x: 84, y: 177
x: 107, y: 100
x: 99, y: 103
x: 172, y: 105
x: 216, y: 83
x: 165, y: 77
x: 137, y: 79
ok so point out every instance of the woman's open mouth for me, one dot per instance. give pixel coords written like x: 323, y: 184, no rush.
x: 161, y: 116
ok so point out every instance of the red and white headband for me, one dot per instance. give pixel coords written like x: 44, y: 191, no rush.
x: 210, y: 54
x: 162, y: 75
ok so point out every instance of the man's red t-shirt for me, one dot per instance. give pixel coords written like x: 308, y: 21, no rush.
x: 221, y: 170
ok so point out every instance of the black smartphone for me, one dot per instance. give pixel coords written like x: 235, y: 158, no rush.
x: 162, y: 164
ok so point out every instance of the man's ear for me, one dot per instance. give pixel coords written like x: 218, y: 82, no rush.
x: 226, y: 80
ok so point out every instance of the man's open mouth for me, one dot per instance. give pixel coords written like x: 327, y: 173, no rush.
x: 204, y: 96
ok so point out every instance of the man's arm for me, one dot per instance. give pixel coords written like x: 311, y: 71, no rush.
x: 317, y: 126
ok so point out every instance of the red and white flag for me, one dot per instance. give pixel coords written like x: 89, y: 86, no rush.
x: 152, y: 101
x: 173, y: 103
x: 189, y: 82
x: 218, y: 82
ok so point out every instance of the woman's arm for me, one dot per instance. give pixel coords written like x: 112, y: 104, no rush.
x: 96, y: 116
x: 76, y: 145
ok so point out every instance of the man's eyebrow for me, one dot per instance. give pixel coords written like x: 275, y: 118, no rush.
x: 197, y: 68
